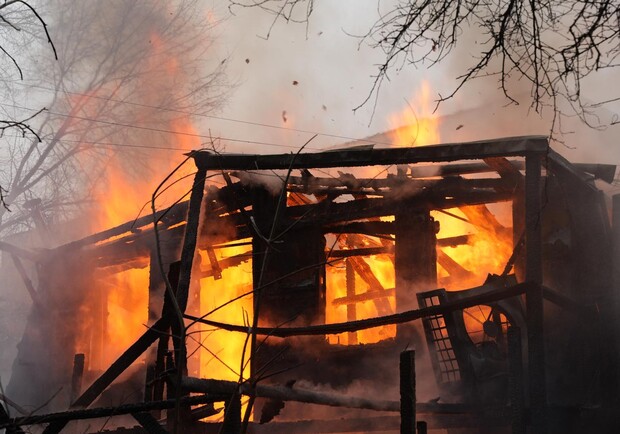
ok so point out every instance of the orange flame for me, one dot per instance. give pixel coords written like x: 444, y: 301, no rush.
x: 123, y: 196
x: 417, y: 124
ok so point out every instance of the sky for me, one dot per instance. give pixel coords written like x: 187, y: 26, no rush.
x: 334, y: 74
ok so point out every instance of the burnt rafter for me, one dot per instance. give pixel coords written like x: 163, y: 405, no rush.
x: 507, y: 147
x: 328, y: 212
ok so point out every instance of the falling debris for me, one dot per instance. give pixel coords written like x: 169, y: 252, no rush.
x: 247, y: 60
x: 295, y: 82
x: 284, y: 118
x: 324, y: 107
x: 459, y: 127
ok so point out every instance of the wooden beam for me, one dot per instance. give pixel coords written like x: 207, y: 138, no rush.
x: 506, y: 147
x: 63, y: 417
x: 27, y: 282
x: 364, y: 296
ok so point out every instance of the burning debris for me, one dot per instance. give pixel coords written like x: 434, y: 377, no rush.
x: 300, y: 279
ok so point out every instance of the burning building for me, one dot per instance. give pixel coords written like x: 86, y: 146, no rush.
x: 307, y: 277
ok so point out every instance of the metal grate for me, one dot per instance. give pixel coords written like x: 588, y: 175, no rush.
x: 437, y: 334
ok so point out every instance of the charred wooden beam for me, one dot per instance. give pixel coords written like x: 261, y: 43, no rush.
x: 369, y: 228
x: 363, y: 324
x: 364, y: 296
x: 76, y: 377
x: 365, y: 251
x: 149, y: 423
x: 216, y: 270
x: 454, y: 269
x: 27, y: 282
x: 365, y: 272
x: 514, y: 146
x: 415, y: 261
x: 605, y: 172
x: 18, y: 251
x: 395, y: 186
x: 325, y: 213
x: 172, y: 215
x: 534, y: 295
x: 54, y: 419
x: 284, y: 393
x: 225, y: 263
x: 406, y: 191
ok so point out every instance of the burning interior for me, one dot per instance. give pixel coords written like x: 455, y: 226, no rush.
x: 300, y: 280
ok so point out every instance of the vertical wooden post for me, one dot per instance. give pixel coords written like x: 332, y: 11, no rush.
x: 232, y: 415
x: 515, y: 372
x: 415, y: 261
x: 190, y: 241
x: 407, y: 392
x: 534, y: 296
x: 422, y: 427
x: 351, y: 308
x: 76, y: 378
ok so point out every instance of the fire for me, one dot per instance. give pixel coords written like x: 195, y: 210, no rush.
x: 487, y: 251
x: 221, y: 351
x: 337, y: 289
x: 123, y: 195
x: 418, y: 123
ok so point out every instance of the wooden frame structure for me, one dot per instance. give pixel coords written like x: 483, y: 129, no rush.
x: 427, y: 178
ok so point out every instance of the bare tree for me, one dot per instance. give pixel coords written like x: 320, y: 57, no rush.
x: 126, y: 71
x: 19, y: 22
x: 551, y: 44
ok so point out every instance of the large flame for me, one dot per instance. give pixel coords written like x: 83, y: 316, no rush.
x: 487, y: 251
x: 227, y: 299
x: 418, y: 123
x: 124, y: 194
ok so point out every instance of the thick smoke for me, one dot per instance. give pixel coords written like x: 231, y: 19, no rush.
x: 130, y: 77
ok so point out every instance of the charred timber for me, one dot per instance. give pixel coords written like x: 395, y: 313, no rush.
x: 604, y: 172
x: 174, y: 214
x: 284, y: 393
x: 407, y: 188
x: 331, y: 212
x: 506, y: 147
x: 93, y: 413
